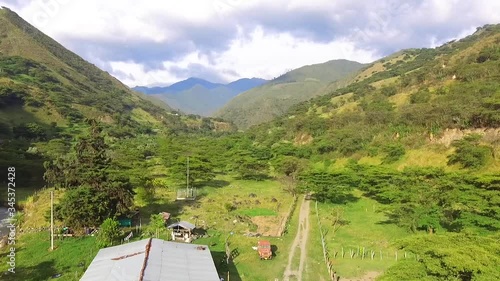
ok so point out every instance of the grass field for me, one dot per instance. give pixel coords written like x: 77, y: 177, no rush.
x: 365, y: 228
x: 251, y: 200
x: 35, y: 262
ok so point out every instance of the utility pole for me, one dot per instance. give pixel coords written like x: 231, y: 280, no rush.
x: 187, y: 179
x: 52, y: 220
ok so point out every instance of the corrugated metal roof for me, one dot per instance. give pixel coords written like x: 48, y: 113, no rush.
x: 183, y: 224
x: 180, y: 262
x: 167, y: 261
x: 103, y: 267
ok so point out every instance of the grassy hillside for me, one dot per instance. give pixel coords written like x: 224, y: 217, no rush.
x: 406, y: 108
x: 46, y: 93
x: 274, y: 98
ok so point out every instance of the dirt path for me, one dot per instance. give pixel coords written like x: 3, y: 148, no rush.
x: 300, y: 241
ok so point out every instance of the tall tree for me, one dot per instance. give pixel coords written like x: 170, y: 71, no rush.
x: 93, y: 193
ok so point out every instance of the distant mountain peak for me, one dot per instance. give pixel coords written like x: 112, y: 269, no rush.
x: 199, y: 96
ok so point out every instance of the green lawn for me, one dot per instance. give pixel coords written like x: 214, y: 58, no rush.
x: 256, y: 212
x: 34, y: 261
x: 366, y: 228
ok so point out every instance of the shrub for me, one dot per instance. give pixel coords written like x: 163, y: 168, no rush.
x: 229, y: 207
x: 468, y: 152
x: 421, y: 96
x: 394, y: 152
x: 109, y: 233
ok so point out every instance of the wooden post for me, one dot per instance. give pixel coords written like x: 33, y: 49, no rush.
x: 51, y: 220
x: 396, y: 255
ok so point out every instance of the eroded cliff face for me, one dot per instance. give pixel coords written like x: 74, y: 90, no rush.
x: 490, y: 135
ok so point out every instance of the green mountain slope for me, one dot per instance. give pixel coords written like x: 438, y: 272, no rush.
x: 410, y: 108
x: 274, y: 98
x: 47, y: 92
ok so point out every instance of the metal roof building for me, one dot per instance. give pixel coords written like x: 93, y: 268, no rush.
x: 183, y: 224
x: 152, y: 260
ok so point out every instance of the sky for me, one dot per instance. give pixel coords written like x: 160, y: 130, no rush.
x: 159, y: 42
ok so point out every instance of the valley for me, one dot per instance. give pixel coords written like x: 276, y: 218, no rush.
x: 382, y: 171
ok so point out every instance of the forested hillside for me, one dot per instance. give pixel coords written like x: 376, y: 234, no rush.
x: 417, y: 132
x: 47, y: 92
x: 419, y: 99
x: 274, y: 98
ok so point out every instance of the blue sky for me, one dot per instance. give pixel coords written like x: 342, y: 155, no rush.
x: 158, y: 42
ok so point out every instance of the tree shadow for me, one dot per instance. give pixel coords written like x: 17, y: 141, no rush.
x: 42, y: 271
x: 257, y: 177
x: 342, y: 198
x: 213, y: 183
x: 223, y: 268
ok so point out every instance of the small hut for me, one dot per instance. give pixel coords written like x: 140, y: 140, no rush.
x: 182, y: 231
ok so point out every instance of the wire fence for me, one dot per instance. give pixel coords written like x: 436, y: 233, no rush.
x: 326, y: 255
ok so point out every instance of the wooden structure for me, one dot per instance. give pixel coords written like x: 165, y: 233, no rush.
x: 182, y: 231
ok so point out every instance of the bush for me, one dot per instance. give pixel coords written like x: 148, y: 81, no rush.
x: 109, y: 233
x: 229, y: 207
x: 394, y: 152
x: 468, y: 152
x: 421, y: 96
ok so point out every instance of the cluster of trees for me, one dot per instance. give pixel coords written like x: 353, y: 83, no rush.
x: 93, y: 193
x: 457, y: 256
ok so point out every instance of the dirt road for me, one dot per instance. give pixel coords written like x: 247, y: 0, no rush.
x: 300, y: 241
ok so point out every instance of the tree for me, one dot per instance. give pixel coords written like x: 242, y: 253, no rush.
x: 333, y: 187
x: 289, y: 167
x: 394, y: 152
x: 449, y: 256
x: 247, y: 166
x: 93, y: 193
x: 92, y: 160
x: 469, y: 153
x: 109, y: 233
x: 82, y: 207
x: 289, y: 184
x: 200, y: 170
x: 338, y: 219
x: 156, y: 225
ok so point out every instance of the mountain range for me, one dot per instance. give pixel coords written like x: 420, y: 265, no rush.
x: 262, y: 104
x: 199, y: 96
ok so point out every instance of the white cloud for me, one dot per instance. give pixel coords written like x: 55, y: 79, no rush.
x: 269, y: 55
x: 245, y: 38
